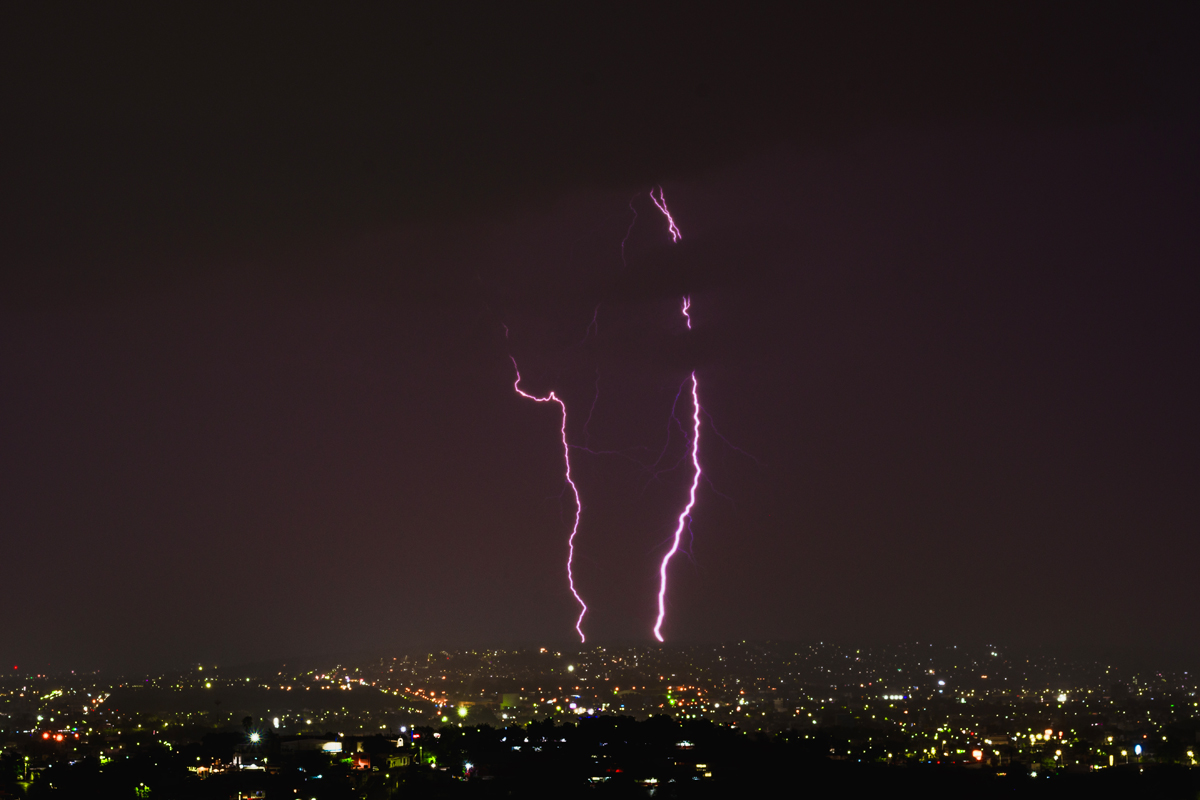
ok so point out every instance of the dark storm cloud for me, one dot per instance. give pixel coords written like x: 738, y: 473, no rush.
x: 135, y: 140
x: 256, y: 397
x: 962, y: 357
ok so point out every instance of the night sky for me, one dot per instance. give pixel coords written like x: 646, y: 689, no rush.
x: 255, y: 391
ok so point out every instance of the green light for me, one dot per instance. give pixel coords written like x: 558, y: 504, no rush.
x: 462, y: 711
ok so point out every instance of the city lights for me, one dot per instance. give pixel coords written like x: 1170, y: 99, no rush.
x: 802, y: 693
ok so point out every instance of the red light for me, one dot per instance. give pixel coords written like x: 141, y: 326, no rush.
x: 58, y: 738
x: 46, y: 735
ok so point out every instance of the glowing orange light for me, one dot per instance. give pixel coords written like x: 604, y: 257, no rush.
x: 46, y: 735
x: 977, y: 755
x: 58, y: 738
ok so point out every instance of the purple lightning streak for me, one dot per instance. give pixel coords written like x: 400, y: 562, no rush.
x: 629, y: 230
x: 661, y: 202
x: 712, y: 426
x: 687, y: 303
x: 594, y: 325
x: 656, y: 473
x: 591, y: 411
x: 553, y: 398
x: 685, y: 515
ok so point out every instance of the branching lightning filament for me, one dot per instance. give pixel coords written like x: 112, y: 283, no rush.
x: 553, y: 398
x: 684, y: 516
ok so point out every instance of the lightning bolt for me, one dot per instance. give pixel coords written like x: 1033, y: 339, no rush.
x: 553, y: 398
x: 685, y: 515
x: 684, y: 520
x: 661, y: 202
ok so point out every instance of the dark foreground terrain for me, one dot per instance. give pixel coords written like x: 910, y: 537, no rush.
x: 596, y: 757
